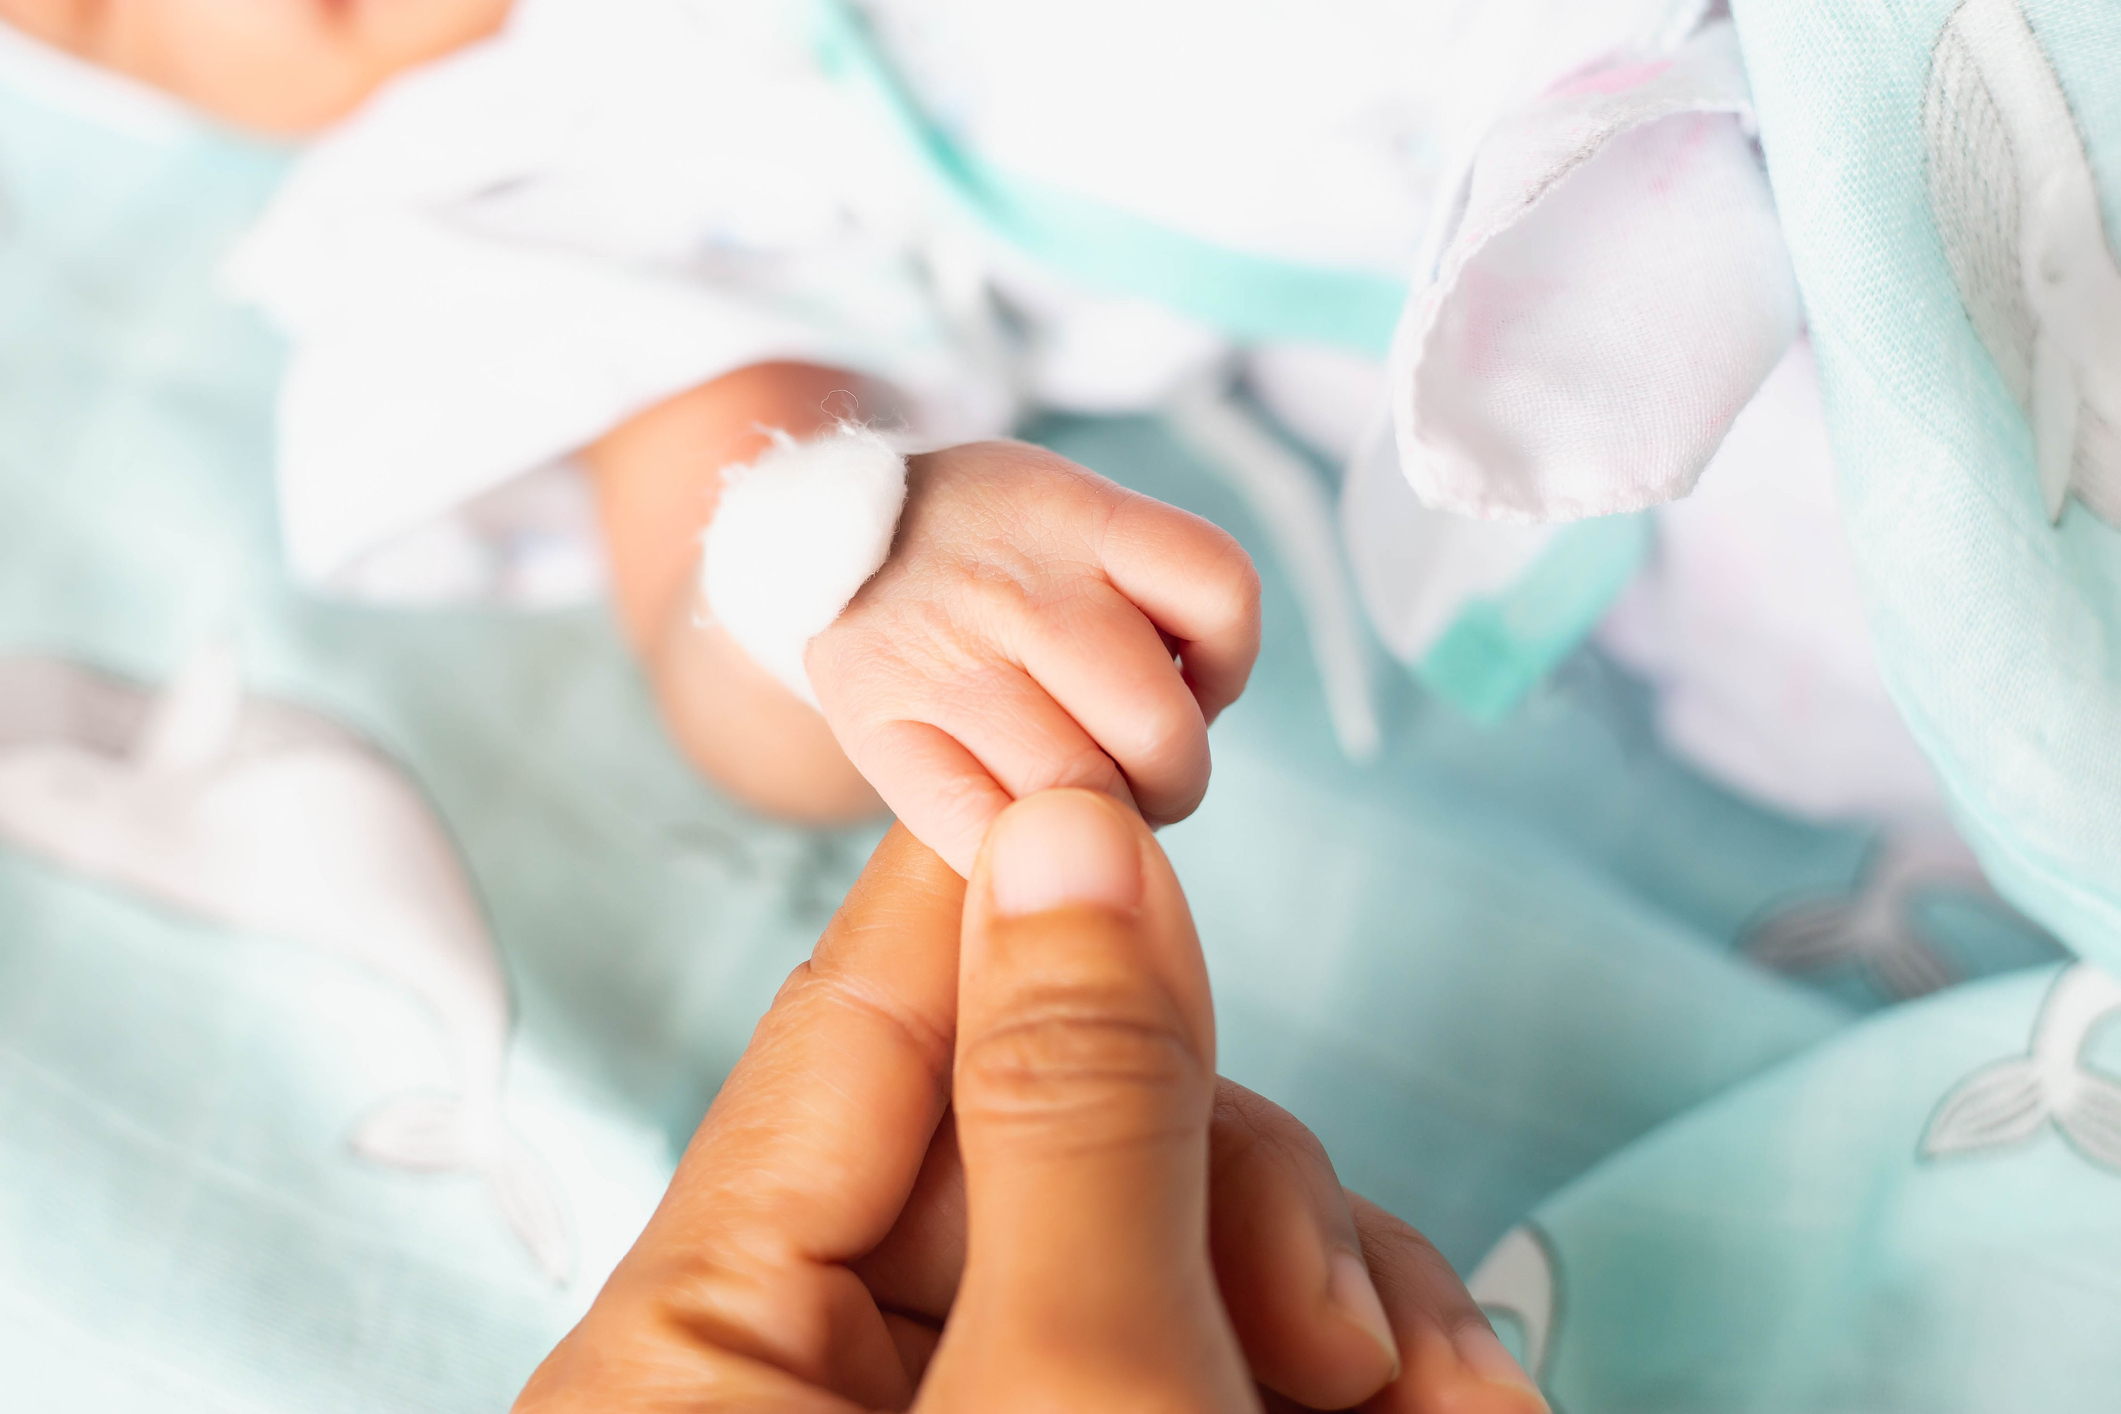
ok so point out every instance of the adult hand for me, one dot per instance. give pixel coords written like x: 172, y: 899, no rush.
x: 1096, y: 1223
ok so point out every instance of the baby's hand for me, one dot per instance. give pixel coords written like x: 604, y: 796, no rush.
x: 1022, y: 636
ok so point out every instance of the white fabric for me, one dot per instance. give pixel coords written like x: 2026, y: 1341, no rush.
x: 513, y: 249
x: 1416, y: 568
x: 530, y: 542
x: 1611, y: 293
x: 510, y: 251
x: 1612, y: 312
x: 796, y: 533
x: 269, y: 818
x: 1750, y: 623
x: 1307, y: 130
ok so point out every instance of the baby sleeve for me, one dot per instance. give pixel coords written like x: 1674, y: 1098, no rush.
x: 510, y: 252
x: 1608, y: 290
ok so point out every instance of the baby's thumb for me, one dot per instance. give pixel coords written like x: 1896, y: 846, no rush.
x: 1084, y: 1082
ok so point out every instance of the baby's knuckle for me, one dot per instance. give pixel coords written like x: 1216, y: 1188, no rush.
x: 1069, y: 769
x: 1236, y: 577
x: 1169, y: 728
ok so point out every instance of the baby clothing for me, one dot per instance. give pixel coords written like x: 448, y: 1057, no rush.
x: 975, y: 205
x: 1000, y: 209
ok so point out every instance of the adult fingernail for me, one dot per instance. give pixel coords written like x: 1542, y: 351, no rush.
x: 1349, y: 1288
x: 1061, y: 848
x: 1481, y: 1351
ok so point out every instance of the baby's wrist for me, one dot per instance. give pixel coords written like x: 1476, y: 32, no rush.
x: 796, y: 534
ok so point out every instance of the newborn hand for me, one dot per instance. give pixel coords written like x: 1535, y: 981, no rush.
x: 1022, y: 636
x: 1103, y: 1225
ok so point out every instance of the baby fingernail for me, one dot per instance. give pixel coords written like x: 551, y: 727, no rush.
x: 1349, y: 1288
x: 1481, y: 1351
x: 1060, y: 848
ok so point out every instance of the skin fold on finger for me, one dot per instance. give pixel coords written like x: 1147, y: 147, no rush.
x: 807, y: 1156
x: 1452, y: 1362
x: 948, y: 762
x: 915, y: 1270
x: 621, y: 1358
x: 1277, y: 1217
x: 1111, y: 671
x: 1288, y: 1259
x: 939, y: 790
x: 1083, y: 1092
x: 1024, y: 739
x: 1083, y: 1114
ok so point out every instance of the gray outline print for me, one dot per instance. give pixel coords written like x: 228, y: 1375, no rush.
x: 1875, y: 927
x: 2017, y: 208
x: 2008, y: 1103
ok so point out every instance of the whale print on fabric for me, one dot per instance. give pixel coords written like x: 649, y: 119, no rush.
x: 1875, y: 928
x: 2018, y: 209
x: 2010, y: 1101
x: 1520, y: 1280
x: 265, y: 817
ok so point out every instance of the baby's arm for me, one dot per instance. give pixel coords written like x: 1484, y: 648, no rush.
x: 1034, y: 626
x: 657, y: 479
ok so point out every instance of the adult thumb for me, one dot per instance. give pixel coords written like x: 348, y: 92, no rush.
x: 1084, y: 1084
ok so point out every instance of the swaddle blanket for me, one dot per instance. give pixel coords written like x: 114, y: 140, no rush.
x: 1949, y: 184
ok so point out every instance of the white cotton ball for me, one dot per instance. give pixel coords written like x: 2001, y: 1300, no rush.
x: 796, y: 534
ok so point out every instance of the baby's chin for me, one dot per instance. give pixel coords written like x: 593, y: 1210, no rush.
x: 277, y: 66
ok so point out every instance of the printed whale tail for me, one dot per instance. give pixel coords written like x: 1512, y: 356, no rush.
x: 1810, y: 936
x: 2007, y: 1103
x: 2017, y: 208
x: 432, y: 1133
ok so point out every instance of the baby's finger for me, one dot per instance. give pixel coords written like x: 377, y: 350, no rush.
x: 1108, y: 668
x: 939, y: 790
x: 1452, y: 1361
x: 1195, y: 583
x: 952, y: 763
x: 1289, y: 1261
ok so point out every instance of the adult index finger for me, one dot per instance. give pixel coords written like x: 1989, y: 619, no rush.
x: 810, y: 1149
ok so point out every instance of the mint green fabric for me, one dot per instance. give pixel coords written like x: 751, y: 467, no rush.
x: 1998, y: 632
x: 1246, y: 297
x: 1497, y: 650
x: 1923, y: 1214
x: 1483, y: 968
x: 1792, y: 1247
